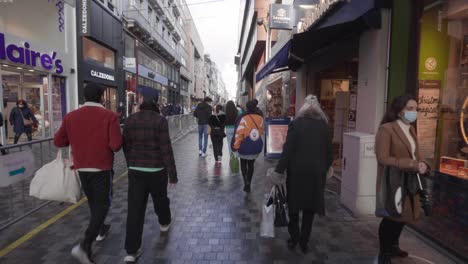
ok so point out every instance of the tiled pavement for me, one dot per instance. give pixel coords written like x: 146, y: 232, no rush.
x: 215, y: 222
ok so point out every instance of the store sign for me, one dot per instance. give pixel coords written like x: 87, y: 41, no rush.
x: 60, y: 5
x: 102, y: 75
x: 84, y: 16
x: 281, y: 16
x: 428, y: 115
x: 25, y: 55
x: 129, y: 62
x: 16, y: 167
x: 148, y: 73
x: 315, y: 13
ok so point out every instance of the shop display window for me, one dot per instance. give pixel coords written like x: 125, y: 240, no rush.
x: 98, y: 54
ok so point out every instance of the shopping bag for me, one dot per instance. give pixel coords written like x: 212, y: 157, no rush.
x: 267, y: 225
x: 234, y: 163
x: 391, y: 193
x: 281, y: 207
x: 55, y: 181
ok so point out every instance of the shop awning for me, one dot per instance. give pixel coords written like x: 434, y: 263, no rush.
x: 277, y: 63
x: 350, y: 19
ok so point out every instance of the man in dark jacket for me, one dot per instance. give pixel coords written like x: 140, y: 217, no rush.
x: 93, y: 133
x: 148, y: 150
x: 203, y: 113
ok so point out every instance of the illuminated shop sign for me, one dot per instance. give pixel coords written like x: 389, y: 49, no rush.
x: 25, y: 55
x: 102, y: 75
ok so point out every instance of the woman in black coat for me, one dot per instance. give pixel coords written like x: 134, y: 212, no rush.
x: 307, y: 156
x: 17, y: 116
x: 217, y: 122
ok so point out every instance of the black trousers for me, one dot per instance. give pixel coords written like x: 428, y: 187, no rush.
x: 98, y: 189
x: 140, y: 185
x: 302, y: 235
x: 217, y: 146
x: 18, y: 135
x: 247, y: 168
x: 389, y: 234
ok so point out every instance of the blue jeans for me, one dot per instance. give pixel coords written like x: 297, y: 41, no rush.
x: 202, y: 134
x: 229, y: 136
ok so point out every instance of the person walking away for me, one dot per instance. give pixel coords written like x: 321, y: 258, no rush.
x: 307, y: 156
x: 150, y: 159
x: 396, y: 146
x: 203, y: 113
x: 217, y: 124
x: 22, y: 119
x: 93, y: 133
x: 231, y: 117
x: 248, y: 142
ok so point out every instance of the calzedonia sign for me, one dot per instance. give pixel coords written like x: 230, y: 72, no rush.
x: 84, y: 17
x: 26, y: 55
x: 102, y: 75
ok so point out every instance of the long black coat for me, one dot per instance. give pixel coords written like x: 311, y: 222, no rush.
x: 307, y: 155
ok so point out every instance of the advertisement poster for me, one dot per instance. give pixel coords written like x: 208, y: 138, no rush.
x: 428, y: 114
x: 276, y: 133
x: 15, y: 167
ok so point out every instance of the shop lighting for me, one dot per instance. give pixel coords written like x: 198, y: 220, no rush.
x: 4, y: 65
x: 31, y: 70
x: 19, y: 68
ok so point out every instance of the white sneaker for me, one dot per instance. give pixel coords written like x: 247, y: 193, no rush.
x: 200, y: 153
x: 203, y: 155
x: 79, y: 254
x: 132, y: 258
x: 165, y: 228
x: 104, y: 232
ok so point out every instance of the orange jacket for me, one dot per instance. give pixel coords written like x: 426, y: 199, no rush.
x: 247, y: 124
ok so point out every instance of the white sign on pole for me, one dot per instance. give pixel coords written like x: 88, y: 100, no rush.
x: 15, y: 167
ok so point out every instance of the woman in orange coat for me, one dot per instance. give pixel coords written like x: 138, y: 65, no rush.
x: 248, y: 141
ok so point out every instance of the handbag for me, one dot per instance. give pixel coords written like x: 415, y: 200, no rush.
x: 234, y: 163
x: 391, y: 193
x: 56, y: 181
x: 26, y: 122
x: 281, y: 208
x: 218, y: 131
x: 267, y: 225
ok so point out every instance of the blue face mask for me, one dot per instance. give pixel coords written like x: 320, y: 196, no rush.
x: 410, y: 116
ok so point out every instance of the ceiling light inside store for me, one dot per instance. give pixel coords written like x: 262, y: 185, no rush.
x: 4, y: 65
x: 19, y: 68
x: 31, y: 70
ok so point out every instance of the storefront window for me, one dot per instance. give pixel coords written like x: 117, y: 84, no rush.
x: 96, y: 53
x: 443, y: 120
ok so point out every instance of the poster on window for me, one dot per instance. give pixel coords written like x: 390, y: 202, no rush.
x: 276, y: 132
x: 428, y: 113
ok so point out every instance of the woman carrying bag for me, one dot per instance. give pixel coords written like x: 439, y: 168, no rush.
x: 22, y: 119
x: 398, y: 155
x: 217, y: 123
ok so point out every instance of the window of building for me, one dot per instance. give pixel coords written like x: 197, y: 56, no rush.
x: 141, y: 3
x: 150, y: 12
x: 96, y: 53
x: 110, y: 5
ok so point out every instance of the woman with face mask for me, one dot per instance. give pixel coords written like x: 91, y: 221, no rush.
x: 397, y: 146
x: 22, y: 119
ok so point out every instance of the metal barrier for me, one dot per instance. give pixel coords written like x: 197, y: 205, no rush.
x: 15, y: 202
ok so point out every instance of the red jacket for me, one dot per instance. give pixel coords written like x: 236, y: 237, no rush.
x: 94, y: 135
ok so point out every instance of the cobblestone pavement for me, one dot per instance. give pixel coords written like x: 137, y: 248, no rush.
x: 215, y: 222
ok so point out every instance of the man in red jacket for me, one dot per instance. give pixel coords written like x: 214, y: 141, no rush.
x: 93, y: 133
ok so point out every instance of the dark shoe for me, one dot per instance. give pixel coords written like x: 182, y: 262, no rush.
x: 103, y: 233
x: 385, y: 259
x: 304, y: 248
x: 291, y: 244
x: 397, y: 252
x: 247, y: 188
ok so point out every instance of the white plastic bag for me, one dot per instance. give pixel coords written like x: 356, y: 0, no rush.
x: 56, y: 181
x: 267, y: 226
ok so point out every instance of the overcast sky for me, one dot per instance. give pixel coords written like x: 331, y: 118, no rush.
x: 217, y: 23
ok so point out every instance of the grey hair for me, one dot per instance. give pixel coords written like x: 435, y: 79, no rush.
x: 312, y: 108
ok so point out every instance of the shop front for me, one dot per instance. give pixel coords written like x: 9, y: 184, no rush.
x: 34, y: 68
x: 443, y: 119
x: 100, y: 53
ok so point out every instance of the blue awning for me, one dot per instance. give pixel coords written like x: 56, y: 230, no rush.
x: 277, y: 63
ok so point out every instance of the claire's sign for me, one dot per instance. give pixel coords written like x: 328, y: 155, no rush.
x: 25, y: 55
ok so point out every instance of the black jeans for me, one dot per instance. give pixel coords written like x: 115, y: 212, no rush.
x: 140, y: 185
x: 98, y: 189
x: 18, y: 135
x: 217, y: 146
x: 247, y: 168
x: 300, y: 236
x: 389, y: 235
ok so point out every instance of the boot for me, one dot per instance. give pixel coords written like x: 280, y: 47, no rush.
x: 385, y: 258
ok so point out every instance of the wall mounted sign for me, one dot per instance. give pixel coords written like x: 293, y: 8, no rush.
x: 148, y: 73
x: 281, y: 16
x: 102, y: 75
x: 25, y: 55
x: 60, y: 6
x: 84, y: 17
